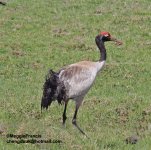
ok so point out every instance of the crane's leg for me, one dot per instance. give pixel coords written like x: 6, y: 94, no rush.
x: 64, y: 113
x: 78, y: 104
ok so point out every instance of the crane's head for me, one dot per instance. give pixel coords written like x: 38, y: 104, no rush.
x: 106, y: 36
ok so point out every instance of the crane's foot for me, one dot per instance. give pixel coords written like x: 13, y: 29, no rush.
x: 3, y: 3
x: 75, y: 124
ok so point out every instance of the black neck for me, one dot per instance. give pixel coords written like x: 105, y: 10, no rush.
x: 100, y: 44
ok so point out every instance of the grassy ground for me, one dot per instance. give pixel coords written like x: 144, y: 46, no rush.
x: 36, y: 35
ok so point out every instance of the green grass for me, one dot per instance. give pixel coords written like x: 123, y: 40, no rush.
x: 37, y: 35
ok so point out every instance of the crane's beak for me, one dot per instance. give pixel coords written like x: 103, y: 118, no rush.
x: 117, y: 42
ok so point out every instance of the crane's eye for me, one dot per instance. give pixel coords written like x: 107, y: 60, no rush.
x: 106, y: 35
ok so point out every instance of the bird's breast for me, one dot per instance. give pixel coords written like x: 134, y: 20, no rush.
x: 80, y: 83
x: 79, y: 77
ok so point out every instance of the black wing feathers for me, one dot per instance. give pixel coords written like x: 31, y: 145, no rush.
x: 53, y: 89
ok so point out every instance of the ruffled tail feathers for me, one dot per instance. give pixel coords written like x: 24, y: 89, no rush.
x: 53, y: 89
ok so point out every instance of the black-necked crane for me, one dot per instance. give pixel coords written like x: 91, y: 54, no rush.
x: 75, y: 80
